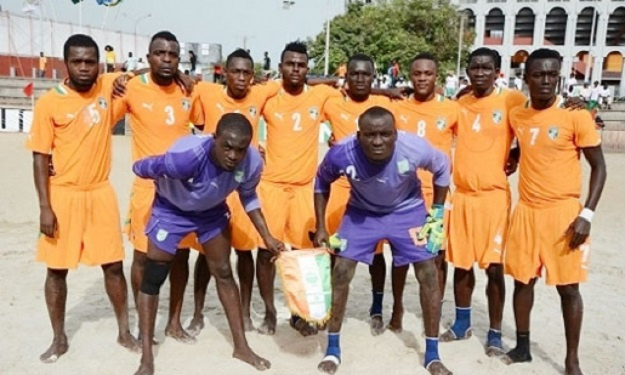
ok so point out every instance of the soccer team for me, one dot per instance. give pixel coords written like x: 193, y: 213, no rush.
x: 385, y: 179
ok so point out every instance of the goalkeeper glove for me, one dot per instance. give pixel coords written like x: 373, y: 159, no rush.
x: 432, y: 230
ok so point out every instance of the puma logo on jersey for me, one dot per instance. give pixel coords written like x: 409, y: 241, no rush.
x: 148, y: 106
x: 403, y: 118
x: 382, y: 180
x: 220, y: 108
x: 344, y: 117
x: 279, y: 115
x: 71, y: 116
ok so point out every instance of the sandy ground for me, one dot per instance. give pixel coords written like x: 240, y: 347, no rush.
x: 92, y: 331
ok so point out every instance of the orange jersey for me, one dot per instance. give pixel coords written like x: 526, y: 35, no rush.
x: 216, y: 102
x: 293, y: 134
x: 75, y: 128
x: 550, y: 142
x: 158, y: 115
x: 434, y: 120
x: 483, y: 139
x: 343, y: 113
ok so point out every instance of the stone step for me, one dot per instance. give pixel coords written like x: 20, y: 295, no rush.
x: 613, y: 140
x: 608, y: 115
x: 614, y: 125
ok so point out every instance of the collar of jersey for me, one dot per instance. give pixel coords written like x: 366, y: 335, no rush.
x: 282, y: 92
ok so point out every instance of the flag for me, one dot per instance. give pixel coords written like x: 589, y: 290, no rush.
x: 29, y: 89
x: 31, y: 6
x: 307, y: 285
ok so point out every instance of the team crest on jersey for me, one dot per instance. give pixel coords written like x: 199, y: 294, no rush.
x: 186, y: 104
x: 239, y: 175
x: 313, y: 112
x: 553, y: 132
x: 497, y: 117
x: 102, y: 103
x: 403, y: 166
x: 441, y: 123
x: 253, y: 111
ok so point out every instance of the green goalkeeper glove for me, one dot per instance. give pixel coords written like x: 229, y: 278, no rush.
x: 433, y: 229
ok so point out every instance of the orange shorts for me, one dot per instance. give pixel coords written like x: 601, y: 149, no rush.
x: 537, y: 239
x: 477, y: 228
x: 289, y: 212
x: 141, y: 199
x: 88, y: 228
x: 243, y: 232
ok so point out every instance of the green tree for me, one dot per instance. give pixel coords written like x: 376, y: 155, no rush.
x: 394, y: 30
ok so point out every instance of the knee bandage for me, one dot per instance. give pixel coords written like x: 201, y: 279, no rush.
x: 154, y: 276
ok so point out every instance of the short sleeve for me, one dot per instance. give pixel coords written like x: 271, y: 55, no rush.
x: 269, y: 89
x: 41, y: 137
x: 585, y: 132
x: 514, y: 99
x: 197, y: 112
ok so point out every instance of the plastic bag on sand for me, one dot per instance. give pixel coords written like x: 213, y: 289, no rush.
x: 306, y: 282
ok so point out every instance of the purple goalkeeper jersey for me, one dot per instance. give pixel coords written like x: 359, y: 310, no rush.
x: 388, y: 187
x: 187, y: 178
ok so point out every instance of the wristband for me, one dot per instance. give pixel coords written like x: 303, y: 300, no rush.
x: 587, y: 214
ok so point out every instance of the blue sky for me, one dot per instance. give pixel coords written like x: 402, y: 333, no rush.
x: 265, y: 24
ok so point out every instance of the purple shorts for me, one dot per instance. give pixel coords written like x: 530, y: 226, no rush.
x: 361, y: 231
x: 168, y: 224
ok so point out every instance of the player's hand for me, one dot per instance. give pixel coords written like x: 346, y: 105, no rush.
x: 466, y: 90
x: 274, y: 246
x: 47, y: 222
x: 331, y: 140
x: 263, y: 153
x: 432, y: 230
x: 578, y: 232
x: 320, y: 238
x: 119, y: 85
x: 574, y: 103
x: 397, y: 93
x: 51, y: 171
x: 185, y: 82
x: 511, y: 166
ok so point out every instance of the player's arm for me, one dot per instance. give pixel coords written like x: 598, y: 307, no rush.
x: 329, y: 81
x: 41, y: 172
x: 396, y: 93
x: 251, y: 204
x: 181, y: 162
x: 580, y: 228
x: 513, y: 160
x: 327, y: 173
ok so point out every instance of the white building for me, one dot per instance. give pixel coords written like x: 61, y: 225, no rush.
x: 517, y: 27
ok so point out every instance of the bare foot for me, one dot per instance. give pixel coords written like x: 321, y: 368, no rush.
x: 145, y: 369
x: 329, y: 365
x: 451, y: 336
x: 268, y: 327
x: 516, y: 355
x: 396, y: 324
x: 376, y: 324
x: 196, y: 326
x: 303, y: 327
x: 179, y: 334
x: 437, y: 368
x: 128, y: 341
x: 248, y: 324
x: 248, y: 356
x: 55, y: 351
x: 573, y: 369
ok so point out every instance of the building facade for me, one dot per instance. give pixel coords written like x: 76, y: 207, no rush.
x: 590, y: 35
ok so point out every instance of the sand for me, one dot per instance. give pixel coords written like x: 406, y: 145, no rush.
x: 91, y: 327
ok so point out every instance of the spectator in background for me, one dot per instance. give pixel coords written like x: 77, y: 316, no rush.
x: 606, y: 97
x: 266, y: 62
x: 131, y: 63
x: 341, y: 71
x: 218, y: 74
x: 571, y: 82
x: 585, y: 92
x: 192, y: 61
x: 110, y: 58
x: 141, y: 64
x: 595, y: 94
x: 42, y: 65
x: 394, y: 72
x: 518, y: 82
x: 501, y: 81
x: 451, y: 84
